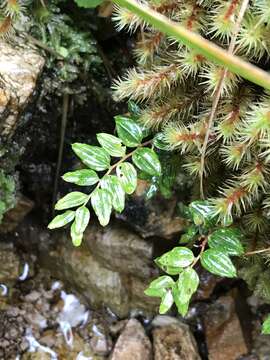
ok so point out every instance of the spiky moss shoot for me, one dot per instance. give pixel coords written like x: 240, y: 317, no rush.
x: 148, y: 47
x: 191, y: 62
x: 233, y: 201
x: 178, y: 107
x: 125, y: 19
x: 211, y: 77
x: 234, y: 154
x: 142, y: 85
x: 192, y: 166
x: 253, y: 39
x: 262, y: 10
x: 12, y: 8
x: 255, y: 221
x: 256, y: 125
x: 191, y: 16
x: 185, y: 138
x: 222, y: 19
x: 255, y: 179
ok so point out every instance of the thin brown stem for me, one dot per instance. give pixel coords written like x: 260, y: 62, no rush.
x: 218, y: 92
x: 249, y: 253
x: 197, y: 258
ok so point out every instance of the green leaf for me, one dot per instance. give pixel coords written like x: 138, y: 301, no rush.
x: 188, y: 283
x: 82, y: 177
x: 168, y: 269
x: 166, y: 302
x: 178, y: 257
x: 88, y: 3
x: 266, y: 326
x: 134, y: 108
x: 159, y: 143
x: 182, y: 307
x: 190, y: 235
x: 129, y: 131
x: 218, y: 263
x: 102, y: 204
x: 115, y: 188
x: 75, y: 237
x: 62, y: 220
x: 202, y: 213
x: 159, y: 286
x: 82, y: 217
x: 128, y: 176
x: 147, y: 160
x: 92, y: 156
x: 227, y: 241
x: 112, y: 144
x: 72, y: 199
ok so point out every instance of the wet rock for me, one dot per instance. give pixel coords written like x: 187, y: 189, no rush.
x: 224, y: 335
x: 132, y: 344
x: 14, y: 216
x: 154, y: 217
x: 208, y: 282
x: 122, y: 250
x: 173, y: 340
x: 97, y: 284
x: 105, y: 274
x: 20, y: 67
x: 9, y: 263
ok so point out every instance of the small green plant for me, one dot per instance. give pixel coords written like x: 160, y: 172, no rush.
x: 120, y: 177
x: 217, y: 245
x: 7, y: 193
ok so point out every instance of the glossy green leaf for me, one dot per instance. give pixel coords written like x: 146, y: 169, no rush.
x: 178, y: 257
x: 128, y: 176
x: 82, y: 218
x: 202, y: 213
x: 159, y: 286
x: 190, y: 235
x: 84, y: 177
x: 92, y: 156
x: 266, y: 326
x: 72, y: 199
x: 88, y: 4
x: 134, y: 108
x: 129, y: 131
x: 218, y: 263
x: 102, y: 204
x: 168, y: 269
x: 112, y: 144
x: 166, y: 302
x: 62, y: 220
x: 75, y: 237
x: 159, y: 143
x: 147, y: 160
x: 113, y: 184
x: 226, y: 240
x: 188, y: 283
x: 182, y: 307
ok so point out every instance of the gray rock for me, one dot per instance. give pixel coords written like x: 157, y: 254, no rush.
x: 20, y: 67
x: 173, y: 340
x: 122, y: 250
x: 132, y: 344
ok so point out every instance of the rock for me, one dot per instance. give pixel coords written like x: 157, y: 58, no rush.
x: 152, y: 218
x: 14, y: 216
x: 9, y: 263
x: 103, y: 273
x: 97, y: 284
x: 132, y: 344
x: 20, y: 67
x: 208, y: 282
x: 224, y: 335
x: 173, y: 340
x: 122, y: 250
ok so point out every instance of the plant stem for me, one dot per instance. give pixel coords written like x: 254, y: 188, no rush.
x: 197, y: 42
x: 203, y: 245
x: 218, y: 92
x: 257, y: 252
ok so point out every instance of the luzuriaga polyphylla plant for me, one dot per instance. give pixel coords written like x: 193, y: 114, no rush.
x: 217, y: 122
